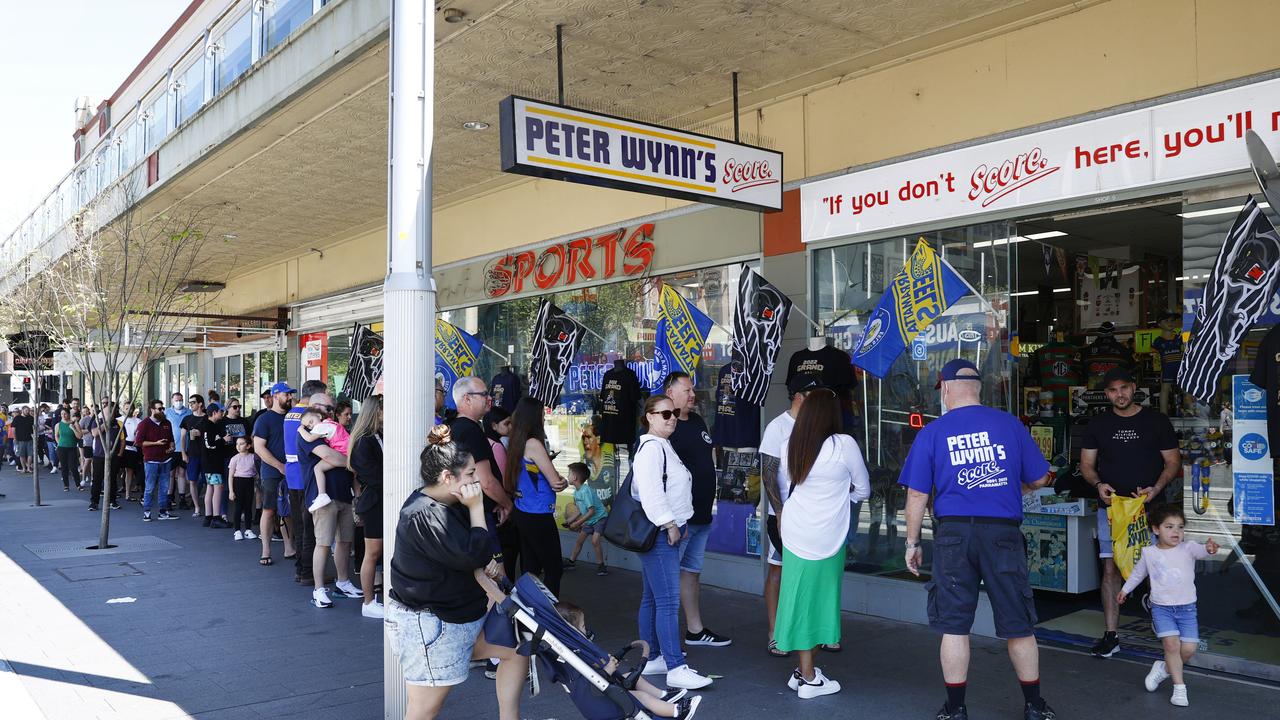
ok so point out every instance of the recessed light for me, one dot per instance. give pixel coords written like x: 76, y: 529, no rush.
x: 230, y: 236
x: 454, y: 15
x: 475, y: 125
x: 1046, y: 235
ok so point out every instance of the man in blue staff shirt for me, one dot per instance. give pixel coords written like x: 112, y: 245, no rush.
x: 304, y: 530
x: 977, y: 462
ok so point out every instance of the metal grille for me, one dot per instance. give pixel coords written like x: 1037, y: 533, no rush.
x: 78, y: 548
x: 80, y: 573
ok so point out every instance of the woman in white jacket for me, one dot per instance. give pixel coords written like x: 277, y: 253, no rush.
x: 664, y: 488
x: 827, y: 473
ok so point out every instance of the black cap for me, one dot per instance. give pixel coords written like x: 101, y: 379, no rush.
x: 804, y: 382
x: 1115, y: 374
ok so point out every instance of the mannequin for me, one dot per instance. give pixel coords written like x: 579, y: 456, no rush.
x: 1167, y: 350
x: 817, y: 343
x: 833, y: 365
x: 1104, y: 354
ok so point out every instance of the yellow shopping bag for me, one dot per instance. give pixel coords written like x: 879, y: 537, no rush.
x: 1129, y: 531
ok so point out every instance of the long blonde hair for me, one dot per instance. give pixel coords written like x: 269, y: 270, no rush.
x: 367, y: 424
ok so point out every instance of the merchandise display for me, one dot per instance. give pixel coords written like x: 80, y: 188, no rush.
x: 506, y: 388
x: 618, y: 404
x: 737, y: 422
x: 1103, y: 354
x: 1056, y: 367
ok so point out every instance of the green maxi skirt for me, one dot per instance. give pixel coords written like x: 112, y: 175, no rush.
x: 809, y: 602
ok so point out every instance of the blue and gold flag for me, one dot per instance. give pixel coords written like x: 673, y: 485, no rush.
x: 457, y: 352
x: 922, y: 291
x: 682, y: 331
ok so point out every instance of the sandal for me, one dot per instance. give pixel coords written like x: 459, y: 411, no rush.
x: 774, y: 651
x: 831, y: 647
x: 266, y: 561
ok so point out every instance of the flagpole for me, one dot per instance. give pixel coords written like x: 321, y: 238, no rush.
x: 967, y: 284
x: 505, y: 358
x: 812, y: 322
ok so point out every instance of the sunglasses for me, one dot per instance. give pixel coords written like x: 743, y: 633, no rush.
x: 234, y: 407
x: 486, y: 393
x: 666, y: 414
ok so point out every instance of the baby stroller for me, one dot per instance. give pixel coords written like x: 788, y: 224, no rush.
x: 562, y: 654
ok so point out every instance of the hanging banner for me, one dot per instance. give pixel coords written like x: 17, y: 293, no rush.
x: 457, y: 352
x: 1244, y: 278
x: 556, y: 338
x: 680, y: 334
x: 564, y: 143
x: 1252, y: 471
x: 759, y: 321
x: 365, y: 366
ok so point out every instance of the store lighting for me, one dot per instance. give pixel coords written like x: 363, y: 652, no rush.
x: 999, y: 241
x: 476, y: 125
x: 1025, y: 293
x: 1217, y: 211
x: 1046, y: 235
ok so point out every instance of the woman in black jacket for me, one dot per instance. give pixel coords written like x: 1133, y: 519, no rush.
x: 365, y: 460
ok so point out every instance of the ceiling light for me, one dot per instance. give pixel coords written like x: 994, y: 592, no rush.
x: 999, y: 241
x: 1046, y: 235
x: 453, y: 15
x: 475, y: 125
x: 1217, y: 211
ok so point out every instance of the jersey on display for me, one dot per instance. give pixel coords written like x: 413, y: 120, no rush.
x: 832, y: 365
x: 1056, y: 368
x: 1106, y: 353
x: 1170, y: 351
x: 506, y: 390
x: 976, y: 459
x: 737, y: 421
x: 618, y: 404
x: 1129, y: 448
x: 1266, y: 375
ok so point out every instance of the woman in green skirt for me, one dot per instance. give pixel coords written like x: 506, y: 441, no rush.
x: 826, y: 472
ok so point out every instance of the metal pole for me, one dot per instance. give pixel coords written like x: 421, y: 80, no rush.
x: 409, y: 291
x: 560, y: 61
x: 735, y: 107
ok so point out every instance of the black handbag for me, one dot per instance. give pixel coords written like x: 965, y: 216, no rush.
x: 627, y: 526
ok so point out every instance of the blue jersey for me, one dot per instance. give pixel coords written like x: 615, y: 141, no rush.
x: 976, y: 459
x: 533, y: 493
x: 292, y: 470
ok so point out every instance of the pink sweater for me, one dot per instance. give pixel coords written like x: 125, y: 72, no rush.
x: 1172, y: 572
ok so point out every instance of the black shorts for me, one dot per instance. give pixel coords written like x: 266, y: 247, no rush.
x: 86, y: 452
x: 176, y: 461
x: 132, y: 460
x: 270, y: 488
x: 775, y: 537
x: 372, y: 521
x: 967, y: 553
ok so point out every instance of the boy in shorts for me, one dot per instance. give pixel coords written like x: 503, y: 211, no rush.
x: 316, y: 425
x: 590, y: 519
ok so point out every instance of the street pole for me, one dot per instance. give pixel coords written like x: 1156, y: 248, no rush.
x: 409, y: 299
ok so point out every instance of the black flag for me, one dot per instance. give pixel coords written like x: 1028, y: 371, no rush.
x: 366, y: 364
x: 556, y: 338
x: 758, y: 323
x: 1242, y: 282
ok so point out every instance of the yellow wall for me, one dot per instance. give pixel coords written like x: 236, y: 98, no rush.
x: 1103, y: 56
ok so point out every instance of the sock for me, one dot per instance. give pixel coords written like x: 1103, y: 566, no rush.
x: 1031, y: 692
x: 955, y: 695
x: 1109, y: 635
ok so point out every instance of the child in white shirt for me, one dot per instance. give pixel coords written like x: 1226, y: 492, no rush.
x: 1171, y: 565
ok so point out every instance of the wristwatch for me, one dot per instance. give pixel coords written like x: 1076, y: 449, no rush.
x: 912, y: 545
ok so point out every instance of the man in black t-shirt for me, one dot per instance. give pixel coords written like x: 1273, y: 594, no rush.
x: 1130, y: 451
x: 193, y: 452
x: 23, y: 432
x: 692, y: 443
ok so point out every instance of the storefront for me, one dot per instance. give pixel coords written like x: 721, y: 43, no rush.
x: 1082, y: 239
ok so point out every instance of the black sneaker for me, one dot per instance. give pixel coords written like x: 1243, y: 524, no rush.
x: 569, y: 565
x: 686, y: 708
x: 1043, y: 712
x: 674, y: 695
x: 115, y: 506
x: 146, y: 516
x: 1106, y: 646
x: 93, y: 508
x: 707, y: 637
x: 491, y: 670
x: 601, y: 571
x: 164, y: 515
x: 960, y: 713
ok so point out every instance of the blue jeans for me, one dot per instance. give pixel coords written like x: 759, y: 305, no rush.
x: 157, y: 473
x: 660, y: 603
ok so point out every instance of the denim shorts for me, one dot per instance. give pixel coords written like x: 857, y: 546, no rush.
x: 1176, y: 620
x: 213, y: 478
x: 693, y: 547
x: 432, y: 652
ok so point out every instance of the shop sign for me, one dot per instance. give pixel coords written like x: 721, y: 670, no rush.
x: 601, y: 258
x: 1251, y: 469
x: 1167, y: 143
x: 315, y: 356
x: 564, y: 143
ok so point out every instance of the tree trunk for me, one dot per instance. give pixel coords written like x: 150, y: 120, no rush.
x: 108, y: 482
x: 35, y: 467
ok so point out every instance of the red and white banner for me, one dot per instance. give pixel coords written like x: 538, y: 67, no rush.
x: 1177, y: 141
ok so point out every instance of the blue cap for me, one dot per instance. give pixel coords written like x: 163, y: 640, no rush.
x: 213, y: 407
x: 951, y: 371
x: 282, y: 387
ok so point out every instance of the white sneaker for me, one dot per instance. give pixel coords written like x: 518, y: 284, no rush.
x: 346, y: 589
x: 1157, y: 675
x: 687, y: 678
x: 238, y: 535
x: 250, y: 535
x: 320, y: 598
x: 819, y: 686
x: 656, y: 666
x: 373, y: 610
x: 321, y: 500
x: 1179, y: 696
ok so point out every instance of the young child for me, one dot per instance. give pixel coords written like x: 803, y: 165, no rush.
x: 1171, y: 565
x: 315, y: 425
x: 590, y: 519
x: 672, y: 703
x: 242, y: 472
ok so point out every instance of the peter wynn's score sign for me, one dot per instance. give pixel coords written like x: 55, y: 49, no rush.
x: 562, y: 143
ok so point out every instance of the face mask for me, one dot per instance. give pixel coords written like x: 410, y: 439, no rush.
x: 177, y: 404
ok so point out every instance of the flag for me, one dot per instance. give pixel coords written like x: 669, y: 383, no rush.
x: 923, y: 290
x: 457, y: 352
x: 681, y: 332
x: 365, y: 366
x: 556, y: 338
x: 759, y: 321
x: 1244, y: 278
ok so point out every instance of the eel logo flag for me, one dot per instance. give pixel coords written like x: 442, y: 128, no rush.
x: 922, y: 291
x: 457, y: 352
x: 681, y: 332
x: 1243, y: 280
x: 759, y: 321
x: 556, y: 338
x: 366, y: 364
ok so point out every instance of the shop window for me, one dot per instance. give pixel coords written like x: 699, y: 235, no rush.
x: 252, y: 386
x: 339, y: 358
x: 267, y: 370
x: 235, y: 382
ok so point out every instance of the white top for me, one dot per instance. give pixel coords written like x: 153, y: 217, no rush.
x: 1172, y: 572
x: 815, y: 519
x: 674, y: 505
x: 131, y: 428
x: 776, y: 434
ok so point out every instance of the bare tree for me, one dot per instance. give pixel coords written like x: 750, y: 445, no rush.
x: 124, y: 293
x: 25, y: 309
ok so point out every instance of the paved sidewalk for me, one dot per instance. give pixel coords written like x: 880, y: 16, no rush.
x: 209, y: 633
